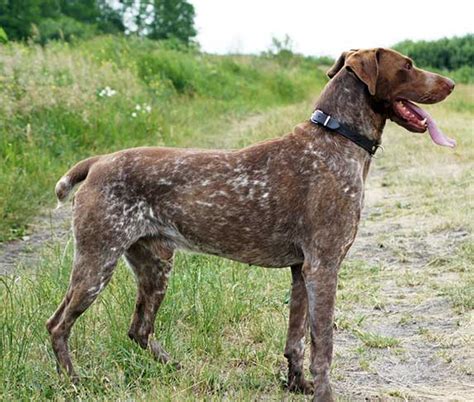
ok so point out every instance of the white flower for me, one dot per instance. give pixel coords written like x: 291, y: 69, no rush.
x: 138, y: 107
x: 134, y: 114
x: 107, y: 91
x: 148, y: 108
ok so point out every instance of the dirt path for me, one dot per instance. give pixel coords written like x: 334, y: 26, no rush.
x: 48, y: 228
x: 433, y: 358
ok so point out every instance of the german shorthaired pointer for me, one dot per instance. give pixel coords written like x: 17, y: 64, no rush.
x: 292, y: 201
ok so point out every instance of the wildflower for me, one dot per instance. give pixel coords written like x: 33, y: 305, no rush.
x: 142, y: 108
x: 107, y: 92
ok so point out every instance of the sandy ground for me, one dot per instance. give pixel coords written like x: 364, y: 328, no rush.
x: 434, y: 359
x: 52, y: 225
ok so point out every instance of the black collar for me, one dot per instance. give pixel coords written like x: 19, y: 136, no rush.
x: 325, y: 120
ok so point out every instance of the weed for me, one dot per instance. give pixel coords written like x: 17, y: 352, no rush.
x: 461, y: 296
x: 373, y: 340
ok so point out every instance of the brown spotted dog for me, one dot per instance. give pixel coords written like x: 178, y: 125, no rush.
x: 292, y: 201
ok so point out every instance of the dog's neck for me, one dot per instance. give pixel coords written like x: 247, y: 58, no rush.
x: 347, y: 99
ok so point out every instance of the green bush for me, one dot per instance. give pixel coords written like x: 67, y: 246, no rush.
x: 445, y: 54
x: 463, y: 75
x: 180, y: 69
x: 62, y: 28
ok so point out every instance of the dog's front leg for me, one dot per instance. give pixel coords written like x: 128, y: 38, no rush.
x: 320, y: 276
x: 297, y: 325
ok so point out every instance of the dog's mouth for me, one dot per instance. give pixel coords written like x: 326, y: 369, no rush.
x: 415, y: 119
x: 408, y: 112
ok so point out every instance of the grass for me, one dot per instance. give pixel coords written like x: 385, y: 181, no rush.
x: 461, y: 296
x: 404, y: 296
x: 373, y: 340
x: 203, y: 319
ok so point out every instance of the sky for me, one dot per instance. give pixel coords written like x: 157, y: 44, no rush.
x: 326, y: 27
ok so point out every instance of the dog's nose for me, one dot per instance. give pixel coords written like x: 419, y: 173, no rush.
x: 450, y: 83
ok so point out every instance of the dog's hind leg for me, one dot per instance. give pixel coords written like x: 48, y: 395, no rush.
x: 294, y: 350
x: 152, y: 264
x: 90, y: 274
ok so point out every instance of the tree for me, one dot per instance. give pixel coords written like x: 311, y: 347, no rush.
x: 44, y: 20
x: 17, y: 17
x: 158, y: 19
x: 446, y: 53
x: 173, y: 19
x: 87, y: 11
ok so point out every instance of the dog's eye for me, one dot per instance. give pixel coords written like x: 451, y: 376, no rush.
x: 408, y: 66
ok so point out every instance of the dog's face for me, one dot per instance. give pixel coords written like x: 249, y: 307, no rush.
x: 394, y: 82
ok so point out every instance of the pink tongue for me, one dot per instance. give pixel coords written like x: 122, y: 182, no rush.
x: 435, y: 133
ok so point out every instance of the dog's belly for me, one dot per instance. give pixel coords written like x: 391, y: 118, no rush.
x: 284, y: 257
x: 267, y: 251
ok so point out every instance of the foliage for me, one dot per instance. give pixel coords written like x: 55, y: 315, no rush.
x: 3, y: 36
x: 62, y: 28
x: 281, y: 50
x: 46, y: 20
x: 445, y: 54
x: 450, y: 56
x: 464, y: 74
x: 174, y: 19
x: 323, y: 60
x: 17, y: 17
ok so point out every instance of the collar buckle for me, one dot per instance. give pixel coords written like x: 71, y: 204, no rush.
x: 375, y: 148
x: 327, y: 121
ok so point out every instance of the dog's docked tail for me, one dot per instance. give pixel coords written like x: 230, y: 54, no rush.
x: 74, y: 176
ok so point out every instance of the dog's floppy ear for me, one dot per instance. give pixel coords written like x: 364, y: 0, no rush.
x: 337, y: 65
x: 340, y: 62
x: 365, y: 65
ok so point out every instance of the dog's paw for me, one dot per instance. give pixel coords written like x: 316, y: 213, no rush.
x: 323, y: 393
x: 299, y: 385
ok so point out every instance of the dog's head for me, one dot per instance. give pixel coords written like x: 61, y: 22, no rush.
x: 395, y: 83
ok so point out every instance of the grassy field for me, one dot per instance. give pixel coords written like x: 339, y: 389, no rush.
x: 405, y: 297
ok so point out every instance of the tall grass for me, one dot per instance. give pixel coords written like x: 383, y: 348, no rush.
x: 53, y: 110
x: 204, y: 318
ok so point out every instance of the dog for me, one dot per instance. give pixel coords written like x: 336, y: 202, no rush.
x: 293, y: 201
